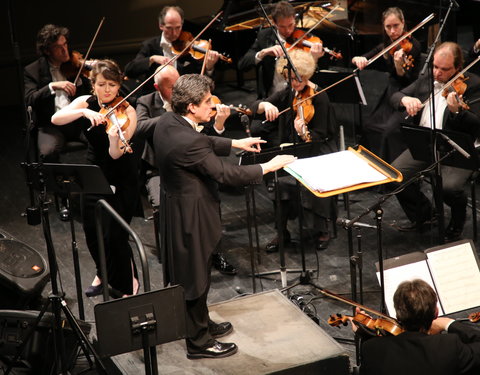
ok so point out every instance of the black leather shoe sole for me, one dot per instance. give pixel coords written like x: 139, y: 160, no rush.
x: 217, y: 350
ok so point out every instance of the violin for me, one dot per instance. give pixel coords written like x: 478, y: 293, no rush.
x: 305, y: 110
x: 405, y: 45
x: 459, y: 87
x: 71, y: 68
x: 240, y: 109
x: 299, y: 39
x: 376, y: 327
x: 198, y: 49
x: 116, y: 116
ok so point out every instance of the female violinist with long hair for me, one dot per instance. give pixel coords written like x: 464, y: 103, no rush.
x: 403, y: 65
x: 318, y: 124
x: 106, y: 150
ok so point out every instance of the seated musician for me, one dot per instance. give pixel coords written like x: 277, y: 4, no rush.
x: 158, y: 50
x: 473, y: 54
x: 149, y: 108
x: 449, y: 115
x: 321, y: 128
x: 48, y: 90
x: 421, y: 349
x: 265, y: 50
x: 381, y: 127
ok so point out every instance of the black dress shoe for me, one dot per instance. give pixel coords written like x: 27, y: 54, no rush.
x: 64, y: 214
x: 417, y: 227
x: 322, y: 241
x: 453, y: 234
x: 220, y: 329
x: 272, y: 246
x: 94, y: 290
x: 216, y: 350
x: 222, y: 265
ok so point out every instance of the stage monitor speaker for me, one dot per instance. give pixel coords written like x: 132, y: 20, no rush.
x: 38, y: 356
x: 23, y: 273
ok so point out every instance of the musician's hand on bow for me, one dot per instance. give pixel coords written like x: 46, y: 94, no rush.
x: 317, y: 50
x: 360, y: 62
x: 412, y: 105
x: 251, y: 144
x: 158, y: 59
x: 271, y: 111
x: 275, y: 51
x: 94, y: 117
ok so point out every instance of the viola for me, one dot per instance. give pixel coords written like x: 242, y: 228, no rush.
x: 198, y: 49
x: 405, y: 45
x: 299, y: 39
x: 376, y: 327
x: 116, y: 116
x: 458, y: 86
x: 303, y: 105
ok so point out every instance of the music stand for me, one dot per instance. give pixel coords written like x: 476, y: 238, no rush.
x: 141, y: 321
x: 301, y: 150
x: 65, y: 179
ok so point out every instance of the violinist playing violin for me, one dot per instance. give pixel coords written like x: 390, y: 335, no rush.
x: 403, y: 65
x: 160, y: 49
x: 107, y: 150
x: 264, y: 51
x: 47, y: 90
x: 451, y: 113
x: 421, y: 349
x: 317, y: 123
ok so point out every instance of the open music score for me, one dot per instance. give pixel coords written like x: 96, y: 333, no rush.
x: 452, y: 270
x: 342, y: 171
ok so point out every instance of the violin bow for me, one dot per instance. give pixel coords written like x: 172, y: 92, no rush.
x: 368, y: 62
x: 353, y: 303
x: 205, y: 58
x: 174, y: 58
x: 312, y: 28
x: 88, y: 51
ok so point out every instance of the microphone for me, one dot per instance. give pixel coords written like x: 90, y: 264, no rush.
x: 344, y: 223
x: 464, y: 153
x: 246, y: 124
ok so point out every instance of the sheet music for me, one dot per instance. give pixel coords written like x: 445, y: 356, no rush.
x: 394, y: 276
x: 334, y: 171
x: 456, y: 275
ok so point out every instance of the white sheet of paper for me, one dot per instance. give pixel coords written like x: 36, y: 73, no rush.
x: 394, y: 276
x: 456, y: 276
x: 334, y: 171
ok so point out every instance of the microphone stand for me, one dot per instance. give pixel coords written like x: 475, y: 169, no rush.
x: 378, y: 212
x: 437, y: 182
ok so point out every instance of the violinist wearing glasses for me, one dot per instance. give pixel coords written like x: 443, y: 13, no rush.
x: 451, y: 113
x: 48, y: 89
x: 108, y: 147
x: 265, y: 49
x: 380, y: 128
x: 160, y: 49
x: 314, y: 120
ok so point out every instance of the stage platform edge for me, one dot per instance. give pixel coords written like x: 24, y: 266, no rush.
x: 273, y: 336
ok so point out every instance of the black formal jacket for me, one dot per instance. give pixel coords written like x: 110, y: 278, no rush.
x: 416, y: 353
x: 466, y: 121
x: 140, y: 67
x: 37, y: 76
x: 190, y: 168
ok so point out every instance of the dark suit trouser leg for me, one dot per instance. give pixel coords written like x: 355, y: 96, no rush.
x: 198, y: 336
x: 415, y: 204
x: 454, y: 180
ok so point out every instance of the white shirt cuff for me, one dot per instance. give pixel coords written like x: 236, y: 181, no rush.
x: 257, y: 59
x: 219, y: 131
x: 52, y: 91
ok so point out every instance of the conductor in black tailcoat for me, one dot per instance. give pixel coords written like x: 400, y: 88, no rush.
x: 190, y: 168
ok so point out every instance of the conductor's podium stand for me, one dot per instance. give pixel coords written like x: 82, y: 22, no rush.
x: 273, y: 337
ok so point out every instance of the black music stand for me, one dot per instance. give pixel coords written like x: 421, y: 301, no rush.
x: 141, y: 321
x: 65, y: 179
x: 48, y: 177
x: 301, y: 151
